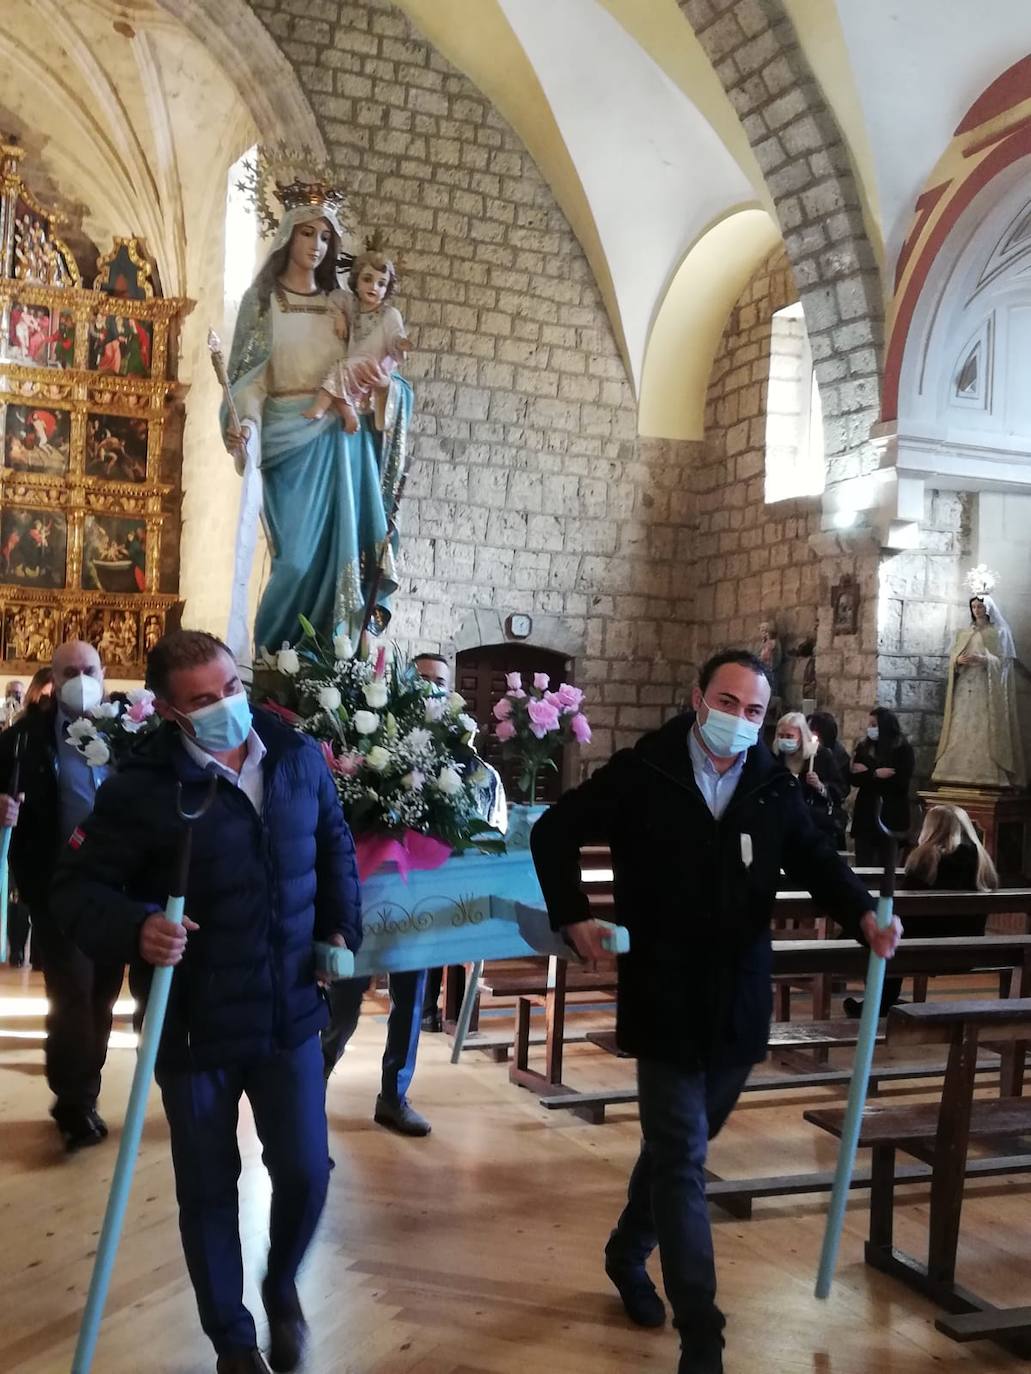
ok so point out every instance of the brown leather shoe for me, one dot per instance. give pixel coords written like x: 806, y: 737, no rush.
x: 287, y: 1332
x: 242, y: 1362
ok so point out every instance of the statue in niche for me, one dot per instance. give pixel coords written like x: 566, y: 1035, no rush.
x: 767, y: 650
x: 328, y: 486
x: 980, y: 741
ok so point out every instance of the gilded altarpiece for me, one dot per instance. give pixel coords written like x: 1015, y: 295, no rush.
x: 91, y: 420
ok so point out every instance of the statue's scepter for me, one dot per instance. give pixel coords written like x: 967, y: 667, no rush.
x: 218, y: 362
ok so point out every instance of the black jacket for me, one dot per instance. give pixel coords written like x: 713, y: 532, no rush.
x: 893, y: 792
x: 695, y: 988
x: 261, y: 890
x: 826, y: 808
x: 35, y: 840
x: 957, y: 872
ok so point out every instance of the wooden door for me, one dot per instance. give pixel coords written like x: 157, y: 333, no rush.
x: 480, y: 677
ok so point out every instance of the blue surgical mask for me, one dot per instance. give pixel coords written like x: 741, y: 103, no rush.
x: 872, y: 732
x: 223, y: 725
x: 787, y: 746
x: 727, y: 735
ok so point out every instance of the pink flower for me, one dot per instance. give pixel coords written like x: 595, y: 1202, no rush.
x: 541, y: 681
x: 344, y: 764
x: 514, y: 681
x: 140, y: 710
x: 581, y: 729
x: 569, y: 697
x: 502, y: 709
x: 543, y: 718
x: 381, y: 658
x: 516, y: 694
x: 504, y: 730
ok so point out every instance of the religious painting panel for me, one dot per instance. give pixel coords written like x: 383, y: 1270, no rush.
x: 37, y: 439
x: 120, y: 345
x: 115, y: 634
x: 114, y: 554
x: 116, y: 448
x: 29, y: 633
x: 845, y: 607
x: 33, y: 546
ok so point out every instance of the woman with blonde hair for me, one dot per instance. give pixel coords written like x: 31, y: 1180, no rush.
x: 948, y: 857
x: 800, y: 752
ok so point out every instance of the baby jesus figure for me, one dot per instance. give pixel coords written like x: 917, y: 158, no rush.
x: 376, y: 343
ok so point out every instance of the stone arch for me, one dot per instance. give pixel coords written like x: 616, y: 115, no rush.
x: 248, y: 54
x: 799, y: 146
x: 487, y: 626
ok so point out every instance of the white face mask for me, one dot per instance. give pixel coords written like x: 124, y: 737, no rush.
x: 787, y: 746
x: 80, y: 695
x: 872, y: 732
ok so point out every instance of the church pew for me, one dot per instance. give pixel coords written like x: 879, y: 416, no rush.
x: 939, y: 1134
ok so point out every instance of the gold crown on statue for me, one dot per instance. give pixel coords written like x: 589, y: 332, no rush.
x: 292, y: 177
x: 981, y: 580
x: 376, y: 252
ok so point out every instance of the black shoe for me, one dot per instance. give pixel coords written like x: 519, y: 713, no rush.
x: 701, y: 1360
x: 639, y: 1295
x: 287, y: 1331
x: 242, y: 1362
x: 98, y: 1122
x: 17, y: 958
x: 78, y: 1126
x: 433, y: 1023
x: 401, y: 1117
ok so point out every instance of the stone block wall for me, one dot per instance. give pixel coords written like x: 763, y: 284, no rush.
x: 922, y: 602
x: 530, y: 491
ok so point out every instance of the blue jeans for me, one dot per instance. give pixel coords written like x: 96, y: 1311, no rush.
x: 681, y: 1111
x: 407, y: 992
x: 288, y: 1100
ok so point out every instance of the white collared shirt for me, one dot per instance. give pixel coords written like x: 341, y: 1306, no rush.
x: 716, y: 788
x: 249, y: 779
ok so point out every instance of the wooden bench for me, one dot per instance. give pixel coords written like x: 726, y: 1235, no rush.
x: 938, y: 1134
x: 1007, y: 955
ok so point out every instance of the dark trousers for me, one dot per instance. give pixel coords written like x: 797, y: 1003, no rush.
x: 288, y: 1100
x: 81, y: 993
x: 17, y: 930
x: 681, y: 1111
x: 407, y: 991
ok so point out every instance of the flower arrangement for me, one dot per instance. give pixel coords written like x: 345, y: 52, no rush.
x: 981, y: 580
x: 532, y: 725
x: 400, y: 752
x: 107, y: 732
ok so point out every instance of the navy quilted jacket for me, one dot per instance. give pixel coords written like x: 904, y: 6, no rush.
x: 261, y: 890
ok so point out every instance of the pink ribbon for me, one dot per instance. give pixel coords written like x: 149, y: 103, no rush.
x: 412, y: 851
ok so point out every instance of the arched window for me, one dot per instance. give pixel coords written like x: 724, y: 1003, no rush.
x: 794, y: 416
x: 241, y: 241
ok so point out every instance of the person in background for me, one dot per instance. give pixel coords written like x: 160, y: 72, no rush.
x: 58, y: 788
x: 949, y: 857
x: 12, y: 703
x: 272, y: 870
x: 807, y: 760
x: 19, y: 920
x: 825, y: 729
x: 699, y: 820
x: 882, y: 770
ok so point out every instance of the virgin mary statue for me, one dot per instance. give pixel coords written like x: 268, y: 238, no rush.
x: 325, y: 494
x: 980, y: 741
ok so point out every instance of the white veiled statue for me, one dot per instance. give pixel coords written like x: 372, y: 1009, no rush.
x: 980, y: 741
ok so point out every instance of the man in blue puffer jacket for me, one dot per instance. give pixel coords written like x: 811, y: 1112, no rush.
x: 272, y: 870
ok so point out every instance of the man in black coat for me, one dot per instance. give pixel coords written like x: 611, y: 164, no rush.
x: 56, y: 793
x: 272, y: 871
x: 700, y: 820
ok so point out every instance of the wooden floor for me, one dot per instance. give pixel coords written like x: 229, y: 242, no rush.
x: 476, y: 1251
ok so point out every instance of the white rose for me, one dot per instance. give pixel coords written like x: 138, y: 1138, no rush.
x: 413, y: 780
x: 448, y: 781
x: 467, y: 724
x: 378, y: 758
x: 366, y: 722
x: 329, y: 698
x: 287, y: 662
x: 96, y: 753
x: 435, y: 708
x: 375, y: 694
x: 81, y: 730
x: 456, y: 701
x: 342, y: 647
x: 107, y: 710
